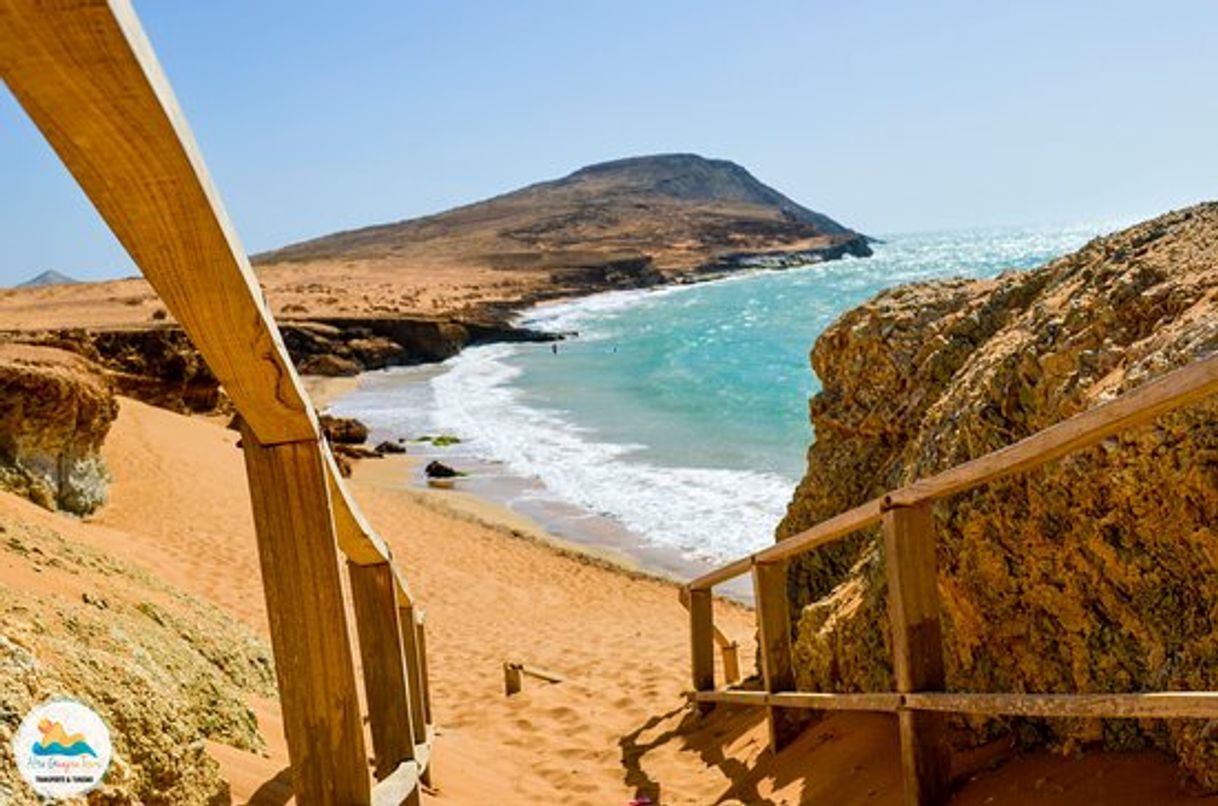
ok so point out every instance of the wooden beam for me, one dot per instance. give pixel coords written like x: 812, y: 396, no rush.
x: 917, y: 647
x: 817, y: 701
x: 822, y: 534
x: 1153, y: 705
x: 774, y: 639
x: 313, y: 662
x: 399, y: 787
x: 421, y: 626
x: 720, y: 637
x: 702, y: 643
x: 381, y: 650
x: 414, y: 669
x: 1174, y: 390
x: 425, y: 680
x: 730, y: 654
x: 87, y: 76
x: 356, y: 538
x: 723, y: 574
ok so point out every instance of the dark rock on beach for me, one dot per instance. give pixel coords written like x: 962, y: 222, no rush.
x: 439, y: 470
x: 343, y: 430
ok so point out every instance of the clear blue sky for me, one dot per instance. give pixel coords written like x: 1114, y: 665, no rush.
x: 889, y: 116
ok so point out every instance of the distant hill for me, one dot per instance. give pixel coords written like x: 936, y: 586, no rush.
x: 678, y: 212
x: 48, y: 277
x: 630, y: 223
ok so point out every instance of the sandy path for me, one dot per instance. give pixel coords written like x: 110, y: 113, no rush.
x: 614, y: 728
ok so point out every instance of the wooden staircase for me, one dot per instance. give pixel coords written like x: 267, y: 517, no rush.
x: 920, y: 700
x: 87, y: 76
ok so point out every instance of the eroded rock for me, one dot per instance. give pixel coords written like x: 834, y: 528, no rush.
x: 55, y: 410
x: 1094, y: 574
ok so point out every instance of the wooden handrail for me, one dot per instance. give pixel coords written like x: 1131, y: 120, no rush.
x: 913, y: 601
x: 1149, y: 705
x: 1140, y: 406
x: 87, y: 76
x: 1176, y: 389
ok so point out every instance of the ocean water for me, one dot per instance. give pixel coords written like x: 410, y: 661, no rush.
x: 677, y: 417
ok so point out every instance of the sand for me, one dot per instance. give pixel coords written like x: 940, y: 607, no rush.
x: 498, y: 589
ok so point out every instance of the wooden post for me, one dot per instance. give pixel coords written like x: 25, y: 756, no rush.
x: 774, y: 638
x: 702, y: 644
x: 304, y: 603
x: 420, y: 621
x: 917, y: 646
x: 513, y: 678
x: 424, y: 686
x: 381, y: 649
x: 414, y: 672
x: 730, y: 653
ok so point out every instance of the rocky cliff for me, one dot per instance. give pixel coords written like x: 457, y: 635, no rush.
x: 55, y: 410
x: 1097, y: 573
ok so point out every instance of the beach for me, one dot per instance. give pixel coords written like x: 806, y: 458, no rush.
x: 496, y: 588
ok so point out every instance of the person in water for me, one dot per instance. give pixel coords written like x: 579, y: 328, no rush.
x: 554, y: 349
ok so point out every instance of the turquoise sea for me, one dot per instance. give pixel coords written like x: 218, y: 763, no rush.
x: 677, y: 416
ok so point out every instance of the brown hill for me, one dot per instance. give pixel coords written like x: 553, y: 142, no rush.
x: 677, y: 212
x: 420, y: 290
x: 623, y: 224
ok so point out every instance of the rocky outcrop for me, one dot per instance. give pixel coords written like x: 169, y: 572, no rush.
x: 351, y: 346
x: 343, y: 430
x: 164, y: 671
x: 55, y: 410
x: 158, y: 365
x: 1094, y: 574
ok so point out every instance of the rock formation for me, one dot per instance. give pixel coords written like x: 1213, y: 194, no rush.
x: 1097, y: 573
x: 55, y: 410
x: 165, y: 671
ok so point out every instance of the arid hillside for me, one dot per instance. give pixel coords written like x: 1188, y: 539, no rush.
x: 625, y: 224
x: 1097, y: 573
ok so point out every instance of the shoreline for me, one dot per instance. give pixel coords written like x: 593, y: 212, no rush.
x: 502, y: 499
x: 616, y: 548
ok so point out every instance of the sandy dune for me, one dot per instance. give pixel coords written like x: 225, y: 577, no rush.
x: 614, y: 729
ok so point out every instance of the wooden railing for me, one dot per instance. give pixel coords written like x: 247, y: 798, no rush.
x: 85, y: 73
x: 913, y: 602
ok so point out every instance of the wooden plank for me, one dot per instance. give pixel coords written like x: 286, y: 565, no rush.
x: 425, y: 683
x: 381, y: 650
x: 1174, y: 390
x: 917, y: 648
x: 822, y: 534
x: 513, y: 680
x: 313, y: 661
x: 399, y: 787
x: 422, y: 752
x: 421, y: 627
x: 88, y: 78
x: 1153, y: 705
x: 817, y: 701
x: 702, y: 643
x: 774, y: 639
x: 720, y: 637
x: 723, y: 574
x: 356, y: 538
x: 1178, y: 388
x: 414, y: 670
x: 730, y: 654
